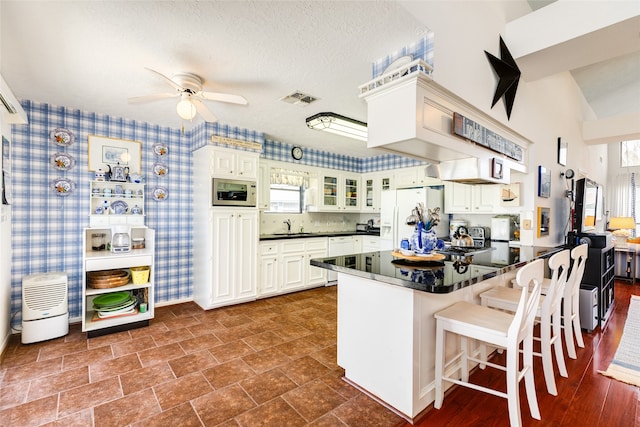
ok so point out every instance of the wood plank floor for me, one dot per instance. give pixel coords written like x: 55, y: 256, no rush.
x: 586, y: 398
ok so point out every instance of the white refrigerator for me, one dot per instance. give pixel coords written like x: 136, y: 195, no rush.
x: 396, y: 206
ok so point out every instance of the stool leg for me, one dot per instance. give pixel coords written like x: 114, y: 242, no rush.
x: 547, y: 362
x: 513, y: 391
x: 440, y: 350
x: 568, y: 327
x: 529, y: 380
x: 464, y: 361
x: 575, y: 313
x: 557, y: 344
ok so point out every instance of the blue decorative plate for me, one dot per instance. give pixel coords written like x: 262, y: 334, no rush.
x: 160, y: 169
x: 119, y: 207
x: 160, y: 193
x: 63, y: 161
x: 160, y: 150
x: 62, y: 137
x: 62, y: 186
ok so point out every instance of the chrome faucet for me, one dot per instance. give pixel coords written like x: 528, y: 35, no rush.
x: 288, y: 222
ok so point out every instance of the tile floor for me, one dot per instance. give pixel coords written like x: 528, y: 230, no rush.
x: 266, y: 363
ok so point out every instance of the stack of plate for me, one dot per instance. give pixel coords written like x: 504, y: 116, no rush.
x: 114, y: 304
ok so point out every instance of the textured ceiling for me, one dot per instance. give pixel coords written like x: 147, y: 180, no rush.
x: 91, y: 55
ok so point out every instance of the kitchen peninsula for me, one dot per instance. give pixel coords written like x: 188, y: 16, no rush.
x: 386, y: 328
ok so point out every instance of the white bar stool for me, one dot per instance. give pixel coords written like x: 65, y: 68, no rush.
x: 499, y: 329
x: 548, y: 315
x: 571, y: 301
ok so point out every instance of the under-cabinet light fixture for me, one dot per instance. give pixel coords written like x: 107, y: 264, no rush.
x: 340, y: 125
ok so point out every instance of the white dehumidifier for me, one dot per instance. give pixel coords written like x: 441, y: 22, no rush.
x: 45, y: 308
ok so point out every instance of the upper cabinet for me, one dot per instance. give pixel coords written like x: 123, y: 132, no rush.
x: 373, y: 183
x: 480, y: 198
x: 228, y: 163
x: 414, y: 177
x: 339, y: 192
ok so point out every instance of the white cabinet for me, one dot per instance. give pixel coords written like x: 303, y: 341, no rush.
x: 108, y: 262
x: 373, y: 183
x: 465, y: 198
x: 370, y: 244
x: 285, y: 265
x: 486, y: 198
x: 264, y: 186
x: 339, y: 192
x: 268, y: 283
x: 228, y: 163
x: 227, y: 274
x: 457, y: 198
x: 415, y: 176
x: 113, y: 202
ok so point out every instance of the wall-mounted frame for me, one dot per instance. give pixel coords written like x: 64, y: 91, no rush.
x: 496, y: 168
x: 563, y: 146
x: 5, y: 163
x: 108, y: 151
x: 544, y: 219
x: 544, y: 182
x: 510, y: 194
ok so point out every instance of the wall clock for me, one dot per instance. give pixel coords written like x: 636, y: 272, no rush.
x: 296, y: 153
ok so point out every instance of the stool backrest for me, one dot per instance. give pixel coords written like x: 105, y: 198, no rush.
x: 579, y: 255
x: 529, y: 278
x: 559, y: 265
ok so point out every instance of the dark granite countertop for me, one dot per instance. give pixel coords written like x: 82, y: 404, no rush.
x: 450, y: 274
x: 317, y: 234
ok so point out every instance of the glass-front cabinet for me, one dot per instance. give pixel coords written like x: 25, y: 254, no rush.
x: 330, y: 191
x: 351, y: 193
x: 340, y: 192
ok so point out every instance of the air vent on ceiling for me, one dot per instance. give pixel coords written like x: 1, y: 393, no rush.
x: 298, y: 98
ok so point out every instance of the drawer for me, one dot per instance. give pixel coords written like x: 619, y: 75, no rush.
x: 135, y: 219
x: 298, y: 246
x: 268, y: 249
x: 118, y: 261
x: 316, y: 244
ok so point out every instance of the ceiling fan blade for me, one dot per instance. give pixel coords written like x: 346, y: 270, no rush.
x: 173, y: 84
x: 202, y: 109
x: 151, y: 98
x: 223, y: 97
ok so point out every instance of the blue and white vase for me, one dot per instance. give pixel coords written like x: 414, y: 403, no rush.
x: 425, y: 241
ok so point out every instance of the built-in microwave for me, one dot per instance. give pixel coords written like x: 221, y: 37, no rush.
x: 233, y: 192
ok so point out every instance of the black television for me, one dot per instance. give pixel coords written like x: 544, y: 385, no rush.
x: 585, y: 206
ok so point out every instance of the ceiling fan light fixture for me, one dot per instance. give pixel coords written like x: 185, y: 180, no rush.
x: 339, y: 125
x: 185, y: 108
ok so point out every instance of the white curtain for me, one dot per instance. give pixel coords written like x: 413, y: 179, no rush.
x: 620, y: 197
x: 290, y: 177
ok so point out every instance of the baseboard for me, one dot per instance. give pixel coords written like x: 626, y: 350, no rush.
x: 173, y: 302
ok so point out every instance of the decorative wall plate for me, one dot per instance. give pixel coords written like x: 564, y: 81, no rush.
x: 160, y: 169
x: 160, y: 193
x: 62, y: 137
x: 160, y: 150
x: 119, y: 207
x: 62, y: 186
x: 63, y: 161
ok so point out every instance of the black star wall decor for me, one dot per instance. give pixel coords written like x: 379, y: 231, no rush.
x: 508, y: 75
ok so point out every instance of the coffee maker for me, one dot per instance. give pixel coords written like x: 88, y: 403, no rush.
x: 120, y: 238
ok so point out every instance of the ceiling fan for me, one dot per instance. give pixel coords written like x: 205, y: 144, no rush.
x: 188, y: 87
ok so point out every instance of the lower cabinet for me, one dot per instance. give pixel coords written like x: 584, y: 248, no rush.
x: 285, y: 266
x: 103, y: 269
x: 226, y: 270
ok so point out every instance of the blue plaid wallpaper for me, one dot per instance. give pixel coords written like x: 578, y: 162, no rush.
x: 47, y: 228
x: 423, y: 49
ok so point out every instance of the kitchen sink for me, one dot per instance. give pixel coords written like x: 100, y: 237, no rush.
x: 290, y: 234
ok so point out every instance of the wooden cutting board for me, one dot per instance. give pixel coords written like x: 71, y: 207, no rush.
x: 430, y: 257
